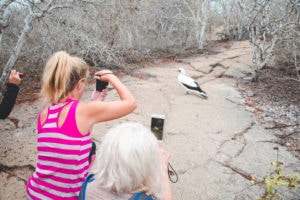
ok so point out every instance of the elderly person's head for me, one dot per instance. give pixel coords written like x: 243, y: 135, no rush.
x: 128, y: 160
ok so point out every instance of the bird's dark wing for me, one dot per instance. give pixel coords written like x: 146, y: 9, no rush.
x: 199, y: 89
x: 191, y: 87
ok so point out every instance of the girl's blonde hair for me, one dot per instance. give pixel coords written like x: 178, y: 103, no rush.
x: 60, y: 76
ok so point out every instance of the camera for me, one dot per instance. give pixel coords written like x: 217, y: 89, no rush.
x: 101, y: 85
x: 157, y: 125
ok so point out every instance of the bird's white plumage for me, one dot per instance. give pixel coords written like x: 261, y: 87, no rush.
x: 189, y: 84
x: 186, y: 80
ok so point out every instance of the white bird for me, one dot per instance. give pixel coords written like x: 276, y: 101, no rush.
x: 189, y: 84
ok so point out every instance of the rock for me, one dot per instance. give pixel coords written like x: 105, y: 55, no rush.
x: 7, y: 125
x: 250, y: 94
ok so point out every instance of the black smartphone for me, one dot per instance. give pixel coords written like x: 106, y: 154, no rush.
x: 157, y: 125
x: 101, y: 85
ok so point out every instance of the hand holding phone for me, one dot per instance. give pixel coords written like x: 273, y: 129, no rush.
x: 14, y: 77
x: 101, y: 85
x: 157, y: 125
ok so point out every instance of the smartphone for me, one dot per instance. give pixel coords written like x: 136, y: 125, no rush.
x: 101, y: 85
x: 157, y: 125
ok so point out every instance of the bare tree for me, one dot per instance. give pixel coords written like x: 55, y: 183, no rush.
x: 270, y: 23
x: 103, y: 30
x: 112, y: 31
x: 33, y: 13
x: 287, y: 49
x: 197, y: 12
x: 234, y: 19
x: 4, y: 16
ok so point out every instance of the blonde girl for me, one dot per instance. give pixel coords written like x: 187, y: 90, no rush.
x: 64, y: 125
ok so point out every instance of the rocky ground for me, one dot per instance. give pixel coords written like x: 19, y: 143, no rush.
x: 274, y: 98
x: 217, y: 145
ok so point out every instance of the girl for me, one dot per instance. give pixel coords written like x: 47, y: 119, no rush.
x: 63, y: 127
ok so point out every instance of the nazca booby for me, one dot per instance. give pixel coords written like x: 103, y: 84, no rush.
x: 189, y: 84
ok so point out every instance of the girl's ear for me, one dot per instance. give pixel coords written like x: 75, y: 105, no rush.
x: 80, y: 84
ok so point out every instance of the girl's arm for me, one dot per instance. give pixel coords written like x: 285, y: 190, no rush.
x: 89, y: 113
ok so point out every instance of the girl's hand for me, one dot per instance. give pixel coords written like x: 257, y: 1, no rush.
x: 103, y: 75
x: 164, y: 156
x: 99, y: 96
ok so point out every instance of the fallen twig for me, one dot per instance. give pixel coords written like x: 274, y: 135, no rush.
x: 243, y: 173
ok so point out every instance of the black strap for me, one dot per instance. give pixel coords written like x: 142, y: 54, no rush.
x: 92, y: 152
x: 172, y: 173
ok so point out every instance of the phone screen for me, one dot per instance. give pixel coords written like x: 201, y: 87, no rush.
x: 157, y: 125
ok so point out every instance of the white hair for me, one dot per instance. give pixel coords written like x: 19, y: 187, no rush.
x: 128, y: 160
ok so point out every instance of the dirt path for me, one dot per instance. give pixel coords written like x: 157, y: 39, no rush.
x: 216, y: 144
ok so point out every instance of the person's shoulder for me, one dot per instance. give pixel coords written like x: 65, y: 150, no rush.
x: 95, y: 192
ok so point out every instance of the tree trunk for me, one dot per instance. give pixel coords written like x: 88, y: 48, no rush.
x: 205, y: 13
x: 26, y: 30
x: 4, y: 17
x: 16, y: 51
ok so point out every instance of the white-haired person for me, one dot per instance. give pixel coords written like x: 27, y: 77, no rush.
x: 129, y: 164
x: 63, y: 140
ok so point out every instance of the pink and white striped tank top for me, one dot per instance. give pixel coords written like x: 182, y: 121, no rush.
x: 62, y: 162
